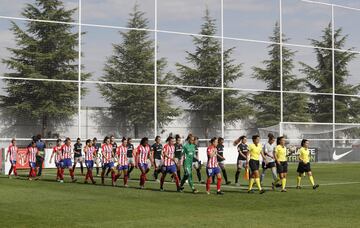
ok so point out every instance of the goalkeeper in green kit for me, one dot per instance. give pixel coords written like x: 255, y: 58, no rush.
x: 188, y: 153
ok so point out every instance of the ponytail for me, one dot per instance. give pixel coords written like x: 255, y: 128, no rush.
x: 169, y: 139
x: 271, y: 136
x: 220, y: 139
x: 144, y: 141
x: 106, y: 138
x: 189, y: 136
x: 278, y: 140
x: 303, y: 142
x: 237, y: 141
x: 213, y: 139
x: 255, y: 137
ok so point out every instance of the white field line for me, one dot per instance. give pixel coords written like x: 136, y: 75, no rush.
x: 79, y: 180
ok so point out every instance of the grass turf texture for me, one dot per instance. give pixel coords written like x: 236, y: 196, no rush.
x: 46, y: 203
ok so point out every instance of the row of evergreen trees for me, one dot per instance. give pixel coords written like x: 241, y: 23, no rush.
x: 48, y: 50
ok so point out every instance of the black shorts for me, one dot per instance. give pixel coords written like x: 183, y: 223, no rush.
x: 303, y: 168
x: 254, y: 165
x: 269, y: 165
x: 39, y: 161
x: 282, y: 168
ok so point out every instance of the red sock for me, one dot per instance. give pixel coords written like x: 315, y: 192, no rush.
x: 219, y: 183
x: 162, y: 179
x: 177, y: 181
x: 15, y: 172
x: 33, y: 172
x: 91, y: 175
x: 208, y: 184
x: 142, y: 179
x: 103, y: 177
x: 62, y: 174
x: 30, y: 172
x: 145, y: 179
x: 125, y: 179
x: 87, y: 175
x: 113, y: 176
x: 71, y: 173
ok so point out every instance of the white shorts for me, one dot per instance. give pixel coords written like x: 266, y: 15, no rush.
x: 241, y: 164
x: 196, y: 165
x: 149, y: 163
x: 158, y: 163
x: 222, y: 164
x: 131, y: 161
x: 78, y: 159
x: 98, y: 161
x: 178, y: 161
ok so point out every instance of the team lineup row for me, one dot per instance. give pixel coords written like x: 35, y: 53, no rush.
x: 170, y: 158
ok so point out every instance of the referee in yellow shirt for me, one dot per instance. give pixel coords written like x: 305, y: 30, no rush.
x: 252, y: 161
x: 304, y: 164
x: 281, y: 161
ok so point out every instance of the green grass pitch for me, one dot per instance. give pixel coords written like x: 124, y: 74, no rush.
x: 46, y: 203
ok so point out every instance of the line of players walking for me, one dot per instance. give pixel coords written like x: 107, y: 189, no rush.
x: 170, y: 158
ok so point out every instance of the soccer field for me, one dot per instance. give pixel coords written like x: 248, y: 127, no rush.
x: 47, y: 203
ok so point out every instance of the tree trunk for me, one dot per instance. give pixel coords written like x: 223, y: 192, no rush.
x: 124, y: 130
x: 44, y: 125
x: 206, y: 134
x: 136, y: 131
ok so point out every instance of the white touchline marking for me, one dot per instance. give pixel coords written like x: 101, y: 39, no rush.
x: 225, y: 186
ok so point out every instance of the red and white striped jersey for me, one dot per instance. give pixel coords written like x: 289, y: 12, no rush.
x: 31, y: 153
x: 143, y: 153
x: 121, y: 153
x: 170, y: 152
x: 89, y: 153
x: 66, y: 151
x: 106, y: 151
x: 12, y: 152
x: 212, y: 161
x: 58, y: 153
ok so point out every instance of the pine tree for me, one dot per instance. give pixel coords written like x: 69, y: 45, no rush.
x: 132, y: 107
x: 43, y: 51
x: 268, y: 103
x: 204, y: 69
x: 320, y: 80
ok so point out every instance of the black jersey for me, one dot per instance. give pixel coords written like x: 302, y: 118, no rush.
x: 77, y: 149
x: 244, y: 149
x: 178, y: 151
x: 196, y: 154
x: 220, y: 151
x: 130, y: 149
x: 114, y: 147
x: 157, y: 148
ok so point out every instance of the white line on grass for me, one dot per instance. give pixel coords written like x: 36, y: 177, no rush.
x: 230, y: 187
